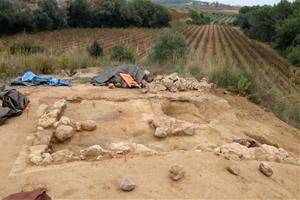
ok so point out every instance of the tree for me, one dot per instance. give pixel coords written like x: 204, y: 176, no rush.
x: 49, y: 11
x: 262, y: 23
x: 283, y: 10
x: 287, y: 32
x: 78, y: 13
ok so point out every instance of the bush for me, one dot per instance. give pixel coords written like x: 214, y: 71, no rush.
x: 25, y: 48
x: 122, y: 53
x: 198, y: 18
x: 294, y: 55
x: 171, y: 46
x: 234, y: 80
x: 95, y: 49
x: 66, y: 62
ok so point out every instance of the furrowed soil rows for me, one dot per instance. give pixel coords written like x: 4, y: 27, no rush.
x: 210, y: 40
x: 197, y: 37
x: 72, y: 39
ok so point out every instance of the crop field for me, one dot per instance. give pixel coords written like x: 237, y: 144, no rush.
x: 211, y: 41
x: 138, y: 39
x: 221, y: 18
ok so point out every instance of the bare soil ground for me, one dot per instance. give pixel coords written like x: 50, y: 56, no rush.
x: 122, y: 116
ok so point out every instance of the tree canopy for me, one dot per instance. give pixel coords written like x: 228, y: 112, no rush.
x: 49, y: 15
x: 279, y: 25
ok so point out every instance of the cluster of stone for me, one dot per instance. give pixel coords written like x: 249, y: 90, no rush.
x: 53, y: 126
x: 236, y: 151
x: 174, y: 83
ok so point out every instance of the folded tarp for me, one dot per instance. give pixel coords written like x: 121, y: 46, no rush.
x: 13, y: 103
x: 39, y: 194
x: 31, y: 79
x: 112, y: 75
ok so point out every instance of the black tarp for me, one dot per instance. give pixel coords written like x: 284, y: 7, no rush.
x: 112, y: 75
x: 13, y: 103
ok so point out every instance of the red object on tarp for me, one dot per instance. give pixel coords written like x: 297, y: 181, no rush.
x: 39, y: 194
x: 129, y: 80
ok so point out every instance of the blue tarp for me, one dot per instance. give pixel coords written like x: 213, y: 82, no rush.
x: 31, y: 79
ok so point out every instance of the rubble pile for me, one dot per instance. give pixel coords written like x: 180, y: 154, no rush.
x: 174, y: 83
x: 236, y: 151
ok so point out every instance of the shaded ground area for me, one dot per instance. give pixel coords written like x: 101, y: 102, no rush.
x: 122, y: 115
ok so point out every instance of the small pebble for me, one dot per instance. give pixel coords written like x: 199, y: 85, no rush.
x: 127, y: 185
x: 176, y: 172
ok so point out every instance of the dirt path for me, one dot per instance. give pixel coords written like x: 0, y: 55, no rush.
x: 122, y: 115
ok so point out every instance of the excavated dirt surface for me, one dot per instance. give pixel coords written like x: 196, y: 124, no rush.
x: 122, y: 115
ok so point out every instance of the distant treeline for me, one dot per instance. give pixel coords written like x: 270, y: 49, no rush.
x: 278, y: 25
x: 18, y: 17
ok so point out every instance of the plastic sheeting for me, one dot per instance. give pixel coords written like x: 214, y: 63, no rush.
x: 112, y: 75
x: 31, y: 79
x: 13, y: 103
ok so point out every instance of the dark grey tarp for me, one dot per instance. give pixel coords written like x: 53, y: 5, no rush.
x: 112, y: 75
x: 13, y: 103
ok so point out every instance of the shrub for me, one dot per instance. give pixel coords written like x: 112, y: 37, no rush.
x: 39, y: 63
x: 95, y: 49
x: 66, y: 62
x: 294, y: 55
x: 25, y: 48
x: 171, y: 46
x: 122, y: 53
x: 234, y: 80
x: 198, y: 18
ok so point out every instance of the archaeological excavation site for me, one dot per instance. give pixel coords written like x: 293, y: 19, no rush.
x: 169, y: 139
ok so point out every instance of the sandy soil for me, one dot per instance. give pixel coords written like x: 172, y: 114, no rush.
x: 121, y: 115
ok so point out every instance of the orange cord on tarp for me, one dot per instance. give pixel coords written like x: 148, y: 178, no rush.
x: 27, y: 110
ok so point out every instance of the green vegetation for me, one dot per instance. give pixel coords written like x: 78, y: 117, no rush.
x: 123, y: 54
x: 95, y: 49
x: 25, y: 48
x: 279, y: 25
x: 171, y: 47
x: 233, y: 79
x: 16, y: 17
x: 198, y: 18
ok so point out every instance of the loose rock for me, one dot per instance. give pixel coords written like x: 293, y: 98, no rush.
x: 127, y: 185
x: 92, y: 151
x: 88, y: 125
x: 64, y: 132
x: 266, y: 169
x: 235, y: 170
x: 176, y: 172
